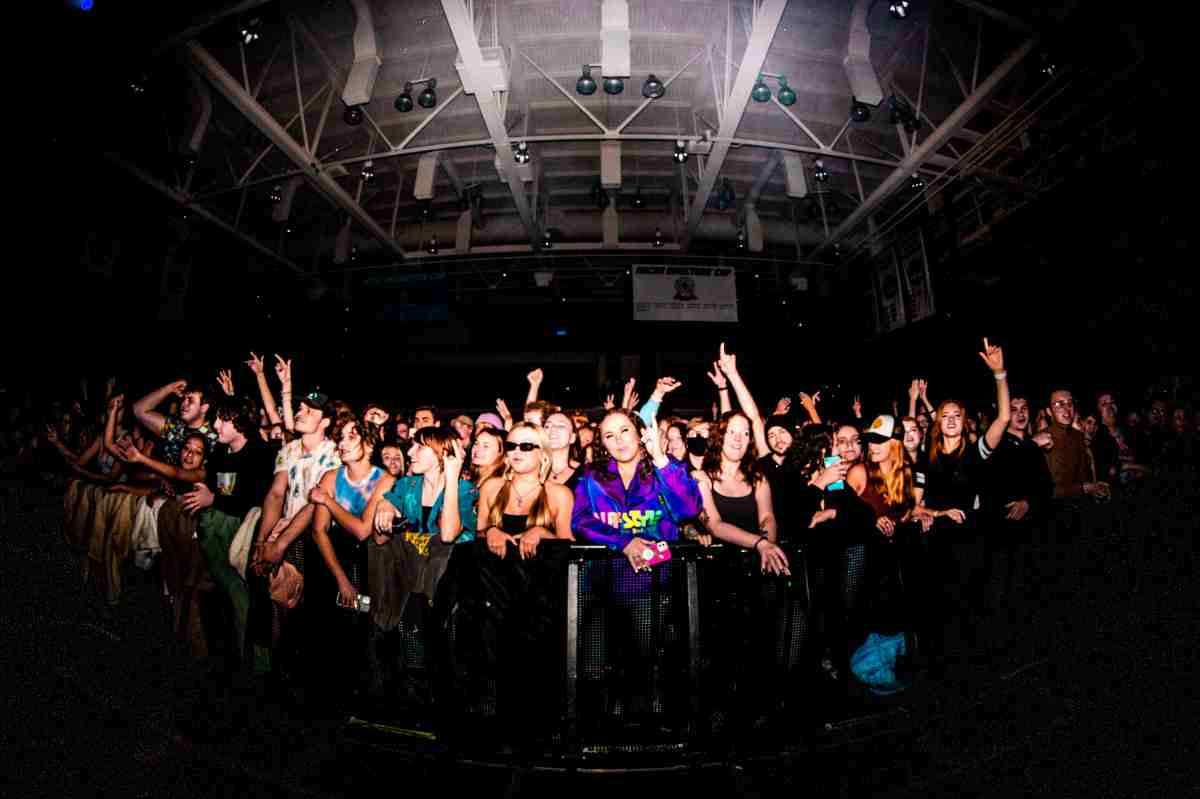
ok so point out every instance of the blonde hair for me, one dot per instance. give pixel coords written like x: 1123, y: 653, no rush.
x: 896, y: 488
x: 539, y: 514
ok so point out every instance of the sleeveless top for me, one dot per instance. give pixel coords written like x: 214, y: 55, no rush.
x: 739, y: 511
x: 353, y: 496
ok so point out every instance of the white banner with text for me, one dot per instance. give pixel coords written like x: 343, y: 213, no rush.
x: 684, y: 294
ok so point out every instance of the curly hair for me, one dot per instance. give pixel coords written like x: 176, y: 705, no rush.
x: 716, y: 443
x: 601, y: 457
x: 807, y: 455
x: 240, y: 411
x: 369, y: 433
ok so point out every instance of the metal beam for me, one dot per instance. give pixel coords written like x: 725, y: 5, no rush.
x: 185, y: 201
x: 564, y: 92
x: 489, y: 106
x: 960, y: 117
x: 642, y: 105
x: 308, y: 165
x: 765, y: 24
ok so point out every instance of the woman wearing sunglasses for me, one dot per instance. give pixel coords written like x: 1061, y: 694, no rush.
x: 523, y: 507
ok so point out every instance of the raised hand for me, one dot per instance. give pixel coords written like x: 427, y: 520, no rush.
x: 783, y: 406
x: 535, y: 377
x: 255, y: 363
x: 665, y: 385
x: 178, y: 387
x: 632, y: 400
x: 609, y: 402
x: 809, y: 402
x: 502, y: 409
x: 116, y: 403
x: 653, y: 445
x: 727, y: 361
x: 197, y: 499
x: 627, y: 397
x: 856, y: 406
x: 993, y: 356
x: 452, y: 464
x: 717, y: 377
x: 914, y: 389
x: 283, y: 370
x: 225, y: 380
x: 923, y: 389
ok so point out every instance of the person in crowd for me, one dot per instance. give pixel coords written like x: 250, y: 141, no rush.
x: 697, y: 443
x: 523, y: 506
x: 463, y: 426
x: 1127, y: 458
x: 1067, y: 455
x: 176, y: 480
x: 173, y: 430
x: 675, y: 443
x: 424, y: 416
x: 915, y: 453
x: 275, y: 587
x: 273, y: 418
x: 564, y: 459
x: 537, y: 411
x: 486, y: 420
x: 376, y: 414
x: 391, y: 458
x: 238, y: 477
x: 400, y: 430
x: 487, y: 455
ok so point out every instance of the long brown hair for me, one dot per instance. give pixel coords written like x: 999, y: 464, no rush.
x: 600, y: 457
x: 540, y: 514
x: 716, y: 442
x: 479, y: 474
x: 895, y: 488
x: 937, y: 448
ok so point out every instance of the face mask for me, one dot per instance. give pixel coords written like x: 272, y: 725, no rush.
x: 697, y: 445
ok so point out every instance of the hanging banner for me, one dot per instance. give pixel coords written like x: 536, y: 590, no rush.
x: 684, y: 294
x: 918, y: 292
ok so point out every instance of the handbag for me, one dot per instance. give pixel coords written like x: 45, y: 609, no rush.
x: 286, y: 581
x: 874, y: 663
x: 239, y: 547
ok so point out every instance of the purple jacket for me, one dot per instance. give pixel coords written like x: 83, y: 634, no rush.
x: 606, y: 513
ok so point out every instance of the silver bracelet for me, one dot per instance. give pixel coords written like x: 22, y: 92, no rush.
x: 1000, y: 375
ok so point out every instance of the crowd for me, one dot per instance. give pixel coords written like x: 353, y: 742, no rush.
x: 294, y: 533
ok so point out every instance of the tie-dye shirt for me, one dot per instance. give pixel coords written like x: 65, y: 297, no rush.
x: 304, y: 471
x: 175, y: 432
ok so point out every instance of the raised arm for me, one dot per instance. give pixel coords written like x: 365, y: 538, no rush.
x: 264, y: 389
x: 994, y: 358
x: 722, y: 385
x: 923, y: 388
x: 143, y: 409
x: 728, y: 363
x: 809, y: 403
x: 535, y: 384
x: 322, y: 497
x: 664, y: 386
x: 630, y: 397
x: 110, y: 424
x: 452, y: 515
x: 914, y: 393
x: 132, y: 454
x: 283, y: 370
x: 347, y: 591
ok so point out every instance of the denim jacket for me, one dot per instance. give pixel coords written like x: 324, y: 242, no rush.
x: 607, y: 513
x: 406, y: 496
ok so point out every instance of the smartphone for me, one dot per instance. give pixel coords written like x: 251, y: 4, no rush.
x: 657, y: 552
x: 833, y: 460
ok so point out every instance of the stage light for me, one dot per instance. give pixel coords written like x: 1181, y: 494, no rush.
x: 899, y: 10
x: 521, y: 152
x: 277, y: 194
x: 353, y: 115
x: 137, y: 85
x: 404, y: 101
x: 586, y: 84
x: 547, y: 239
x: 368, y: 171
x: 741, y: 239
x: 83, y: 5
x: 859, y: 111
x: 725, y: 197
x: 658, y: 238
x: 425, y: 209
x: 432, y: 246
x: 638, y: 201
x: 613, y: 85
x: 786, y: 95
x: 681, y: 154
x: 1048, y: 66
x: 761, y: 92
x: 428, y: 98
x: 820, y: 173
x: 916, y: 182
x: 653, y: 87
x: 251, y: 31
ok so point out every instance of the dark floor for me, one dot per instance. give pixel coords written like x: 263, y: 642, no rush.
x: 1098, y: 698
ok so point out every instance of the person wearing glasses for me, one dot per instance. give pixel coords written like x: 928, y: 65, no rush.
x: 1067, y: 456
x: 523, y: 506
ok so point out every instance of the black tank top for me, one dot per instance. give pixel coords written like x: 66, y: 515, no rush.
x: 514, y: 524
x: 739, y: 511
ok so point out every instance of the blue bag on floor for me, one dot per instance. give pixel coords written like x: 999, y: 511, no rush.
x: 874, y: 663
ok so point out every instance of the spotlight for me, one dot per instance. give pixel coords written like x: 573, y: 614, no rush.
x: 638, y: 200
x: 586, y: 84
x: 428, y: 97
x: 725, y: 198
x: 277, y: 194
x: 613, y: 85
x: 786, y: 95
x: 741, y: 239
x: 820, y: 173
x: 547, y: 239
x: 404, y: 102
x: 354, y: 253
x: 521, y: 153
x: 353, y: 115
x: 916, y: 183
x: 368, y: 171
x: 432, y: 246
x: 1048, y: 67
x: 761, y: 92
x: 251, y: 31
x: 137, y: 85
x: 681, y: 154
x: 860, y: 111
x: 653, y: 87
x: 899, y: 10
x: 425, y: 209
x: 658, y: 237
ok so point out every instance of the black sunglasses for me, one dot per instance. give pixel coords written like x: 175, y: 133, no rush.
x: 524, y: 446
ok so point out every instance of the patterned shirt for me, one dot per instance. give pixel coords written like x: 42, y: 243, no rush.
x: 304, y: 471
x: 175, y: 431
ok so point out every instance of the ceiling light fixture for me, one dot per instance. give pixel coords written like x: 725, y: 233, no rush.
x: 899, y: 10
x: 251, y: 31
x: 787, y: 96
x: 638, y: 201
x: 653, y: 88
x: 521, y: 152
x: 586, y: 84
x: 613, y: 85
x: 681, y: 154
x: 368, y: 171
x: 547, y: 239
x: 428, y: 98
x: 353, y: 115
x: 658, y: 238
x: 916, y: 182
x: 761, y: 91
x: 277, y: 194
x: 859, y: 111
x: 741, y: 239
x: 404, y: 101
x: 820, y: 173
x: 432, y: 246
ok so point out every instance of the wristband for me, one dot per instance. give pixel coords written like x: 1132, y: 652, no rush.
x: 723, y: 388
x: 1001, y: 375
x: 761, y: 538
